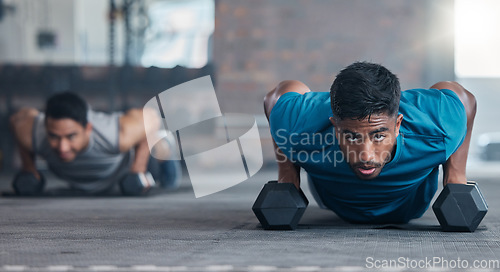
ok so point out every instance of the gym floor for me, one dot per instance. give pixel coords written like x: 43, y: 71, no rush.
x: 174, y: 231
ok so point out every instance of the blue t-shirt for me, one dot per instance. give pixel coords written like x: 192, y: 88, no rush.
x: 433, y: 128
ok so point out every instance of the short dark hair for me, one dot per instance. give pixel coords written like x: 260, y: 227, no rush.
x: 362, y: 89
x: 67, y: 105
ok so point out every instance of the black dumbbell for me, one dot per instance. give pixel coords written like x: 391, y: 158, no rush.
x: 460, y: 207
x: 280, y: 206
x: 26, y: 184
x: 136, y: 184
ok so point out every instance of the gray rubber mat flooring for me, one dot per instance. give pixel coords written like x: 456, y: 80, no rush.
x: 174, y: 231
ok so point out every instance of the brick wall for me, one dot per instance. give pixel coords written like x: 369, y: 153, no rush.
x: 258, y: 43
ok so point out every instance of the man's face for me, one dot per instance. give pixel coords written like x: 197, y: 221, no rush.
x: 368, y: 144
x: 67, y: 137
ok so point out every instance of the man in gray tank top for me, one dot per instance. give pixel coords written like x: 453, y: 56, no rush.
x: 90, y: 150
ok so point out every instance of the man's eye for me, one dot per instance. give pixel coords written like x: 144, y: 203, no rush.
x: 351, y: 138
x: 379, y: 137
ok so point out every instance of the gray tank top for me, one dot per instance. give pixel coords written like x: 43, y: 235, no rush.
x: 95, y: 168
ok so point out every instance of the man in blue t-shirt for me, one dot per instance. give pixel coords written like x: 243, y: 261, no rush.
x: 372, y: 152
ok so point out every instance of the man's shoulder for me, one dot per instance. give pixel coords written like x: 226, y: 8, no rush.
x: 428, y: 112
x: 431, y: 97
x: 94, y: 115
x: 309, y: 102
x: 296, y: 112
x: 105, y: 127
x: 301, y: 98
x: 104, y: 120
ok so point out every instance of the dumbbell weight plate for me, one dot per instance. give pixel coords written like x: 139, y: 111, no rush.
x: 280, y: 206
x: 26, y: 184
x: 460, y: 207
x: 136, y: 184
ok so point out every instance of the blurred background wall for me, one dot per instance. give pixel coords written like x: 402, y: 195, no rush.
x: 259, y: 43
x: 119, y: 53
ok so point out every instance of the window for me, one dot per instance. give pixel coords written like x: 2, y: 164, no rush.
x: 477, y: 39
x: 180, y: 33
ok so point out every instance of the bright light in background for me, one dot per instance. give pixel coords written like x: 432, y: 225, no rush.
x: 477, y: 38
x: 179, y: 33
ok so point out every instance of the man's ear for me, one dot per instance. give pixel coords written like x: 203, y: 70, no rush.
x: 332, y: 121
x: 88, y: 128
x: 399, y: 120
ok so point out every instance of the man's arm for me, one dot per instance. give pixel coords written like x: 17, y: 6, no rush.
x: 21, y: 125
x: 287, y: 171
x: 454, y: 168
x: 133, y: 135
